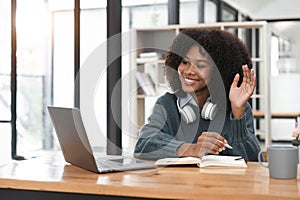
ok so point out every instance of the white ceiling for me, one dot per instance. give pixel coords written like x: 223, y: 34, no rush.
x: 272, y: 9
x: 268, y: 9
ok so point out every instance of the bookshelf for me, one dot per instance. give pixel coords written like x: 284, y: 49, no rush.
x: 159, y: 39
x: 150, y: 83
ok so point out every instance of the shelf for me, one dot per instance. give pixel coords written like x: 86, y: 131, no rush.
x: 288, y: 115
x: 257, y: 96
x: 281, y: 115
x: 257, y: 59
x: 149, y: 62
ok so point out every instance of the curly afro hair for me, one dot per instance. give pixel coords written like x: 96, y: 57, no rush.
x: 226, y: 50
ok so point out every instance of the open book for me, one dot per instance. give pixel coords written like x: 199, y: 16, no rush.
x: 206, y: 161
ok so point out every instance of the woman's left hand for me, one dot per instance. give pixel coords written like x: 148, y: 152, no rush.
x: 296, y: 131
x: 238, y: 96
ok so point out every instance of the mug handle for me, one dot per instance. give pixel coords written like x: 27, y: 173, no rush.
x: 259, y: 156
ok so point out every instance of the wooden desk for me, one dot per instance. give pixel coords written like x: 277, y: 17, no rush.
x: 51, y: 178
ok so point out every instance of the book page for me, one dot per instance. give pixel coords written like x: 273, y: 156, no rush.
x: 206, y: 161
x: 222, y: 161
x: 178, y: 161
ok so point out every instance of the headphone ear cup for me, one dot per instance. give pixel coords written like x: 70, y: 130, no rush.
x: 188, y: 114
x: 209, y: 111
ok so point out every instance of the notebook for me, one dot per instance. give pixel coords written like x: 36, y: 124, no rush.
x: 211, y: 161
x: 77, y: 150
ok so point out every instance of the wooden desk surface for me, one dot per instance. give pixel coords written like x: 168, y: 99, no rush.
x: 51, y: 173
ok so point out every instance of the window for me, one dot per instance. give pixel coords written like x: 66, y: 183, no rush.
x: 274, y: 55
x: 188, y: 12
x: 148, y: 16
x: 33, y: 92
x: 5, y: 73
x: 210, y: 12
x: 5, y: 61
x: 92, y: 40
x: 63, y: 58
x: 229, y: 14
x: 93, y: 48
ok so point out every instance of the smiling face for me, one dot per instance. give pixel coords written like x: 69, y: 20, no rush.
x: 195, y: 71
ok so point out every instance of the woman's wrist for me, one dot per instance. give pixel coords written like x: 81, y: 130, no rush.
x: 186, y: 150
x: 237, y: 112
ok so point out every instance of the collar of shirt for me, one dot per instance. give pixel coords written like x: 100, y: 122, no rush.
x: 187, y: 99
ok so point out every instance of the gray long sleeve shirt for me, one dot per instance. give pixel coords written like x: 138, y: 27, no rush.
x: 164, y: 132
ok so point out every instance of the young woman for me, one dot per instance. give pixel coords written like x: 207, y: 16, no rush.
x: 211, y: 76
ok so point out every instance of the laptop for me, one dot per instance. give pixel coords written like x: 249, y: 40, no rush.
x: 77, y: 150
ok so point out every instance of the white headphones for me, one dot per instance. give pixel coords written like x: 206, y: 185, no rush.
x: 208, y: 112
x: 187, y: 113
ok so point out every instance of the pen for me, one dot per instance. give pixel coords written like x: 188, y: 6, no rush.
x: 240, y: 158
x: 225, y: 145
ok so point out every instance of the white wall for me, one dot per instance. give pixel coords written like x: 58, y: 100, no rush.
x: 285, y: 97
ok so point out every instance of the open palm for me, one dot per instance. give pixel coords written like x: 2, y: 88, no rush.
x: 238, y: 96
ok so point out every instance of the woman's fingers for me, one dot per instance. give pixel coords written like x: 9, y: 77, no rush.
x: 249, y: 76
x: 211, y: 142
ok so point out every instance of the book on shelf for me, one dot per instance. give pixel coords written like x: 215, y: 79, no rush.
x: 211, y: 161
x: 146, y: 83
x: 147, y: 57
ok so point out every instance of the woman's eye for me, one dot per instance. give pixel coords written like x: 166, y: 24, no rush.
x: 185, y: 62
